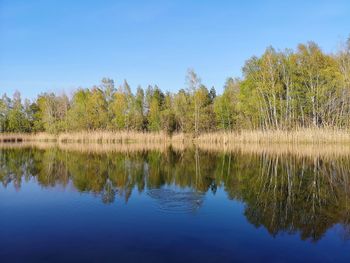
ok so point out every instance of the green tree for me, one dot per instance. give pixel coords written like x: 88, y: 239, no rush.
x: 318, y: 79
x: 156, y: 102
x: 138, y: 117
x: 194, y: 83
x: 97, y: 110
x: 108, y: 88
x: 225, y: 106
x: 183, y: 111
x: 122, y: 106
x: 343, y: 61
x: 17, y: 121
x: 4, y: 112
x: 204, y: 110
x: 50, y: 113
x: 167, y: 115
x: 78, y: 113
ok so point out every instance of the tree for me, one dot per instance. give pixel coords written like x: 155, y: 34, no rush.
x: 17, y: 121
x: 343, y: 61
x: 122, y: 106
x: 194, y: 82
x: 318, y: 77
x: 50, y: 113
x: 280, y: 90
x: 156, y: 102
x: 168, y: 121
x: 225, y: 106
x: 108, y: 89
x: 263, y: 76
x: 97, y: 110
x: 212, y: 94
x: 4, y: 112
x: 203, y: 110
x: 183, y: 111
x: 138, y: 118
x: 78, y: 112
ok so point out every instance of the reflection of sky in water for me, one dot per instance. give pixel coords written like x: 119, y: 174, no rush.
x: 169, y: 223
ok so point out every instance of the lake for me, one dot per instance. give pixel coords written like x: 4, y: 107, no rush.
x: 172, y: 205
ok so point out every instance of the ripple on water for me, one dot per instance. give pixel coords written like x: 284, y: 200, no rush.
x: 171, y: 201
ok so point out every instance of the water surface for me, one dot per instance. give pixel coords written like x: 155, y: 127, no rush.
x: 173, y: 206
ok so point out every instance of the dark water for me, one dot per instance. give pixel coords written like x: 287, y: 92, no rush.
x: 191, y: 206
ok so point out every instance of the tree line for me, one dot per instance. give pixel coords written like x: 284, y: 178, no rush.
x: 287, y: 89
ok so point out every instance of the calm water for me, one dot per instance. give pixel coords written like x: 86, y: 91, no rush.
x: 190, y: 206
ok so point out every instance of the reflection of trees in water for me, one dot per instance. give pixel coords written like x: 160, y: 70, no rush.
x: 282, y: 193
x: 306, y: 196
x: 108, y: 193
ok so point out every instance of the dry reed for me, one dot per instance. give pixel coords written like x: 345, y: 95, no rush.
x: 304, y: 136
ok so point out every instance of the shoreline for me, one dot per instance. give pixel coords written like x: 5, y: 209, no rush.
x: 301, y: 136
x: 327, y: 149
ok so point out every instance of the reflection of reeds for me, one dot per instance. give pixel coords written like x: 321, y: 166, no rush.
x: 88, y: 137
x: 114, y: 137
x: 306, y: 142
x: 301, y: 150
x: 307, y: 150
x: 26, y: 137
x: 103, y: 148
x: 88, y: 147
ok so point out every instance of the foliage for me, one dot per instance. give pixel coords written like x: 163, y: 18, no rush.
x: 280, y: 90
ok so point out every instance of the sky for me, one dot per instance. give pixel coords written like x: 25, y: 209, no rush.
x: 62, y: 45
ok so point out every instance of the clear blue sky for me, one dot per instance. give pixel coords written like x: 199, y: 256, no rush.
x: 61, y: 45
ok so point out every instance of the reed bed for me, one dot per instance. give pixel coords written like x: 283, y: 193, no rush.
x: 302, y: 136
x: 29, y: 144
x: 108, y: 147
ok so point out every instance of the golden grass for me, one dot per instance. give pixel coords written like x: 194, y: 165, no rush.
x: 308, y: 136
x: 304, y: 136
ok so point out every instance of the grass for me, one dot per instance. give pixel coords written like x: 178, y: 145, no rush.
x: 303, y: 142
x: 301, y: 136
